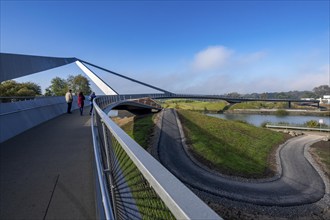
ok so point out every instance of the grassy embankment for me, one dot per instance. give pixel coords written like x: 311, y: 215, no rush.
x: 139, y: 129
x: 231, y: 147
x: 234, y: 148
x: 259, y: 105
x: 194, y: 105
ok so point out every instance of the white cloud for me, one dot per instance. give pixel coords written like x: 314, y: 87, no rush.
x: 211, y: 58
x: 225, y: 70
x: 252, y: 57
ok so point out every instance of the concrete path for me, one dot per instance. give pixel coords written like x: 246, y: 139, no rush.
x: 299, y: 183
x: 47, y: 171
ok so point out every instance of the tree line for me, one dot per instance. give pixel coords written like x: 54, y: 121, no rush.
x: 58, y: 87
x: 317, y: 92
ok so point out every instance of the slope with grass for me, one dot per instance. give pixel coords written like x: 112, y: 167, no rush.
x: 139, y: 128
x: 299, y: 183
x: 194, y: 105
x: 259, y: 105
x: 232, y: 147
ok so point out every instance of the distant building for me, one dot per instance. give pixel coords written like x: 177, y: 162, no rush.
x: 325, y: 99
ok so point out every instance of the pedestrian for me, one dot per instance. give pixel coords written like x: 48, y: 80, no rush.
x: 69, y: 99
x: 91, y: 98
x: 81, y: 99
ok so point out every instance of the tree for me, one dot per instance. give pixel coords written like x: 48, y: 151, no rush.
x: 234, y: 95
x: 321, y: 91
x: 32, y: 88
x: 78, y: 84
x: 264, y: 95
x: 58, y: 87
x: 8, y: 88
x: 13, y: 88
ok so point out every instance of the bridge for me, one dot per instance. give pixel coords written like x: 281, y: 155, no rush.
x: 85, y: 167
x: 60, y: 166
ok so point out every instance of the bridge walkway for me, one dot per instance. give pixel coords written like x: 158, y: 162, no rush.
x: 47, y: 171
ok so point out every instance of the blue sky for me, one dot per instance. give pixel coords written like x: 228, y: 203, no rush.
x: 208, y: 47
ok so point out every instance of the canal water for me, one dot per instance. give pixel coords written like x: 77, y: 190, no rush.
x: 257, y: 120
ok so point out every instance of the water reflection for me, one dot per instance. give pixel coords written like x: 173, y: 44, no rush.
x: 257, y: 120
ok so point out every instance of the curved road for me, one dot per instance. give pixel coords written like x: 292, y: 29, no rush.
x: 299, y: 183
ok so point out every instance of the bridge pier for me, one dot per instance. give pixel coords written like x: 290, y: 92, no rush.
x: 289, y: 104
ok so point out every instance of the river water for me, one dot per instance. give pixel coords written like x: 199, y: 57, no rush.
x: 257, y: 120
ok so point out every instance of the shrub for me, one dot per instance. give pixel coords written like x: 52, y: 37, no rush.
x: 281, y: 112
x: 263, y: 124
x: 312, y: 124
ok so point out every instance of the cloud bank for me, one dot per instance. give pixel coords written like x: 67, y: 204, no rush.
x: 219, y: 70
x: 226, y: 70
x: 211, y: 58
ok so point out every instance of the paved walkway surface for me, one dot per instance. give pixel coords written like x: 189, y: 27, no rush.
x: 299, y: 183
x: 47, y: 171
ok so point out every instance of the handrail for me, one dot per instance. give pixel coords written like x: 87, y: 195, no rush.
x: 177, y: 198
x: 297, y: 128
x: 100, y: 175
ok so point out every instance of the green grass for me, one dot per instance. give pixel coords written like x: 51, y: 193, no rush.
x: 139, y: 129
x: 195, y: 105
x: 232, y: 147
x: 258, y: 105
x: 146, y: 199
x: 281, y: 112
x: 149, y: 204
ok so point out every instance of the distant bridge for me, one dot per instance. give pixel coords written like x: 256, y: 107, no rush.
x: 237, y: 100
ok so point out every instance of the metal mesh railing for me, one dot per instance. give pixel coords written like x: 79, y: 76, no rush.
x: 133, y: 197
x: 135, y: 185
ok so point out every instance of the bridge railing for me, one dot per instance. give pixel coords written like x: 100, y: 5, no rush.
x: 131, y: 183
x: 29, y: 112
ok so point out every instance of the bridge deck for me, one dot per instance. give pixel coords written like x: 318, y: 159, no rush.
x: 47, y: 172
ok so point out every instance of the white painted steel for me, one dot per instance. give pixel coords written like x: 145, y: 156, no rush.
x: 103, y: 86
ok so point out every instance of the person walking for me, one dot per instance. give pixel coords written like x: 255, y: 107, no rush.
x: 69, y: 100
x: 91, y: 98
x: 81, y: 99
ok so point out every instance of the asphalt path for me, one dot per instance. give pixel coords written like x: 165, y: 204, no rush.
x: 299, y: 183
x: 47, y: 172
